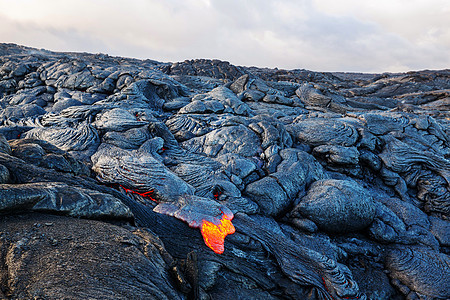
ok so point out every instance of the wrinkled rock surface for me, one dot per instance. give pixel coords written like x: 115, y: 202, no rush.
x: 136, y: 179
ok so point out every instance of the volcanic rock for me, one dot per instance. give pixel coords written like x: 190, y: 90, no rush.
x: 136, y: 179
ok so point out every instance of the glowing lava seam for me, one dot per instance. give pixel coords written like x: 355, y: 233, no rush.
x: 214, y: 235
x: 145, y: 195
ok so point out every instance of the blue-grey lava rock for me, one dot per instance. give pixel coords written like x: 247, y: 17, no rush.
x: 338, y: 206
x: 329, y: 185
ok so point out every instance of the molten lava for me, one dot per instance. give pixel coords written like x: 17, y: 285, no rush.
x: 217, y: 195
x: 214, y: 235
x: 145, y: 195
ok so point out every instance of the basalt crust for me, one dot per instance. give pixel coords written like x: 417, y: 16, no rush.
x: 136, y: 179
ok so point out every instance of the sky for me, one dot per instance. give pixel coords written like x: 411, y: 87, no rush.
x: 319, y: 35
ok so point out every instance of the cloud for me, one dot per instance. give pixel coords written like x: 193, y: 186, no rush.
x: 414, y: 20
x: 323, y: 35
x: 34, y: 34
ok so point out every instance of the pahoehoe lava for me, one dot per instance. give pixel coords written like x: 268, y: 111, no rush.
x: 137, y: 179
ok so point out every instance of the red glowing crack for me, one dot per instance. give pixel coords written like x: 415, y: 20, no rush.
x: 145, y: 194
x: 217, y: 195
x: 214, y: 235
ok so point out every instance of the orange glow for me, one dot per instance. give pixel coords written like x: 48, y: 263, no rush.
x: 214, y: 235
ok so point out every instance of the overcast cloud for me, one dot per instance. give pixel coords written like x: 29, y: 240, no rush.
x: 321, y: 35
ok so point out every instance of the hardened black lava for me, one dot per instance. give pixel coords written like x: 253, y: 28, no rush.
x: 135, y: 179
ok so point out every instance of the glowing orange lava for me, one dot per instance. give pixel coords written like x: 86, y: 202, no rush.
x: 214, y: 235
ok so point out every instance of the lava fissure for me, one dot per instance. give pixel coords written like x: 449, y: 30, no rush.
x: 145, y: 194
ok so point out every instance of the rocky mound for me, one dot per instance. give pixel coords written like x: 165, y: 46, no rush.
x: 134, y: 179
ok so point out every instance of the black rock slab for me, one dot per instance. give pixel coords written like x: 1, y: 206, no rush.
x: 51, y: 257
